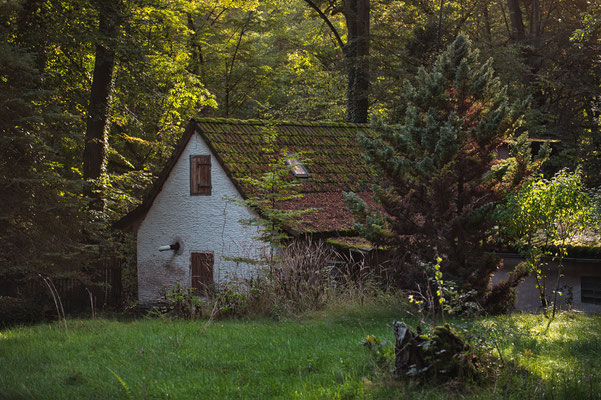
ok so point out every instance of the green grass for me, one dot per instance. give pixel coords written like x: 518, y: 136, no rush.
x: 315, y: 357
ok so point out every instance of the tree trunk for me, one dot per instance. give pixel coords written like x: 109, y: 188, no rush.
x: 196, y: 58
x: 517, y: 24
x: 535, y: 19
x: 94, y: 156
x: 356, y: 53
x: 487, y: 25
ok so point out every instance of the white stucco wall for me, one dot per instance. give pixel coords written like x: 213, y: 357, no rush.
x: 200, y: 223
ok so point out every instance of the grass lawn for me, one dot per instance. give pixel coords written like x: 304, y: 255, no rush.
x: 315, y: 357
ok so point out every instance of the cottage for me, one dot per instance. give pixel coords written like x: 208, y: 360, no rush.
x: 190, y: 232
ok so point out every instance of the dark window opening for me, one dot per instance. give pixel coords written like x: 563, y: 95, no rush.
x: 590, y: 289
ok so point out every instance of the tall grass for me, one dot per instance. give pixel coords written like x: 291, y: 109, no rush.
x: 303, y: 279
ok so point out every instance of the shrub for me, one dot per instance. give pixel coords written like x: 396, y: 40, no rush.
x: 548, y: 212
x: 440, y: 354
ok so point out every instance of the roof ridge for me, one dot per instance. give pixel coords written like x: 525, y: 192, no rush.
x: 265, y: 122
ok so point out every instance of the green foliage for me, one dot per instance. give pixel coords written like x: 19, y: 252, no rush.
x: 440, y: 355
x: 442, y: 296
x: 549, y: 211
x: 14, y: 311
x: 591, y: 23
x: 380, y: 349
x: 520, y: 164
x: 40, y: 206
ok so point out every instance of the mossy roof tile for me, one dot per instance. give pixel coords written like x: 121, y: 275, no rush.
x: 334, y: 161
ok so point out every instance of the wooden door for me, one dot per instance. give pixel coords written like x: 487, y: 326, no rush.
x: 202, y: 271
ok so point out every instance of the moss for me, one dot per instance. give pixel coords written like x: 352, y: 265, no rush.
x: 347, y: 245
x: 233, y: 121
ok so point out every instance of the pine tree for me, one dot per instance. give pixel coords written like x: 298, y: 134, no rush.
x: 440, y: 184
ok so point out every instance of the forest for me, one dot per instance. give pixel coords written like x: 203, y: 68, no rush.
x: 95, y: 95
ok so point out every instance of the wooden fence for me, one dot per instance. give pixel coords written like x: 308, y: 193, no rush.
x: 102, y: 283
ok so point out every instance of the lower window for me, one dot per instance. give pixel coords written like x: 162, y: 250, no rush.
x: 202, y: 271
x: 590, y: 289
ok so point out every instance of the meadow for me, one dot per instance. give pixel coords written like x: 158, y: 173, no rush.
x: 315, y: 356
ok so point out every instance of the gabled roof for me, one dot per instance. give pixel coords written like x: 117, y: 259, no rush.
x: 336, y: 165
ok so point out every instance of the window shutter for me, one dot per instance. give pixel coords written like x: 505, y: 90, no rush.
x: 200, y: 175
x: 202, y: 271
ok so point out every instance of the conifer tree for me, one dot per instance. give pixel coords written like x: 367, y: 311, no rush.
x: 438, y: 168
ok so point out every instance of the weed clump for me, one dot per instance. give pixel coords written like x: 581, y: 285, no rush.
x: 302, y: 278
x: 182, y: 303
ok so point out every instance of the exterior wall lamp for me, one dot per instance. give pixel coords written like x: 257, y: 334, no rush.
x: 174, y: 247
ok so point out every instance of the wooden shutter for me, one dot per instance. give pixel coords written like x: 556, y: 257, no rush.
x: 200, y: 175
x: 202, y: 271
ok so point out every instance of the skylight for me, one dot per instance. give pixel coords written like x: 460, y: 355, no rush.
x: 297, y: 168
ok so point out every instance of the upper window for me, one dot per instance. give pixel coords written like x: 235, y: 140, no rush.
x: 297, y: 168
x: 200, y: 175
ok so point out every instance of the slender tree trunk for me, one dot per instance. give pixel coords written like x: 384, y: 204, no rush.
x: 487, y: 24
x: 356, y: 55
x: 196, y: 60
x: 356, y: 52
x: 440, y: 18
x: 562, y: 253
x: 535, y: 20
x: 229, y: 67
x: 517, y: 24
x: 94, y: 156
x: 226, y: 102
